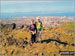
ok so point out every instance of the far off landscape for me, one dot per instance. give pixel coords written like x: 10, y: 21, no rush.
x: 58, y: 35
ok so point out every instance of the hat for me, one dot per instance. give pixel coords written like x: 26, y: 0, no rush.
x: 37, y: 18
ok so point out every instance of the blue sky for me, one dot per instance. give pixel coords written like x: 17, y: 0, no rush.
x: 37, y: 6
x: 23, y: 8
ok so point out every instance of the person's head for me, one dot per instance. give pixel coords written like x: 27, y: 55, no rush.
x: 37, y: 18
x: 32, y: 21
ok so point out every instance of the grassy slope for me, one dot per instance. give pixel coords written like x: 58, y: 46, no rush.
x: 53, y: 41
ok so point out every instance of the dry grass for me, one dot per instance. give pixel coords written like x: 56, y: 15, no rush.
x: 53, y: 41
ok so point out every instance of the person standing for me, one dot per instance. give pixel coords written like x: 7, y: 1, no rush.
x: 32, y: 30
x: 39, y: 28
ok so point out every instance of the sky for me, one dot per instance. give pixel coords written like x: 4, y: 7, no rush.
x: 37, y: 7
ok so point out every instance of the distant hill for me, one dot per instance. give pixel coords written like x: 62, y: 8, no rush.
x: 45, y: 19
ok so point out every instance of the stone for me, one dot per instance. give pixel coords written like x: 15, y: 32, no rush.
x: 13, y: 25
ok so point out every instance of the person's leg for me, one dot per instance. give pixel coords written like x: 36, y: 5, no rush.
x: 40, y: 36
x: 37, y: 36
x: 34, y: 37
x: 31, y: 38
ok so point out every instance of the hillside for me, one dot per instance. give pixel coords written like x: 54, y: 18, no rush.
x: 17, y: 41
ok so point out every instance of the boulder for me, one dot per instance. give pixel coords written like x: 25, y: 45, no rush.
x: 13, y: 25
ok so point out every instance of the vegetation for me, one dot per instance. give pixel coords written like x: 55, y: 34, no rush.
x: 17, y: 41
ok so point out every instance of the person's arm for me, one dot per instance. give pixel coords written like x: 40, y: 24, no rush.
x: 35, y: 27
x: 41, y: 26
x: 29, y: 28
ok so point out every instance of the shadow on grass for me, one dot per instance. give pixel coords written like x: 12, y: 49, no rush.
x: 73, y: 44
x: 49, y: 40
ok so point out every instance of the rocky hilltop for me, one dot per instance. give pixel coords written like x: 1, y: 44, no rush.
x: 58, y: 35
